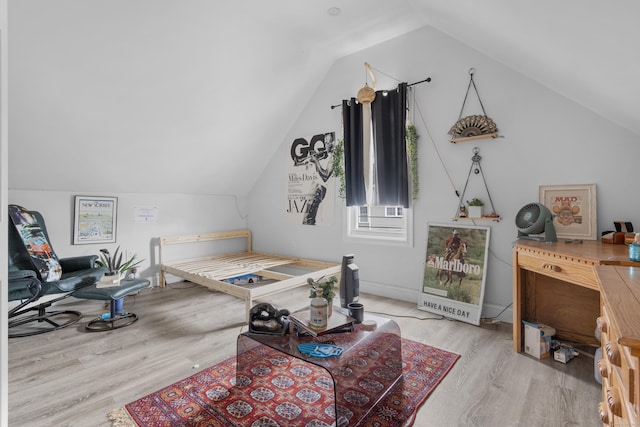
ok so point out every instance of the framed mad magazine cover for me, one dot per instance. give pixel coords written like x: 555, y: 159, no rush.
x: 455, y: 271
x: 574, y: 209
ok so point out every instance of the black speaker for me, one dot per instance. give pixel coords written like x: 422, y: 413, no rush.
x: 349, y: 281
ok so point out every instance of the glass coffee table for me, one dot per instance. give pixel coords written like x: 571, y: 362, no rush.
x: 368, y: 368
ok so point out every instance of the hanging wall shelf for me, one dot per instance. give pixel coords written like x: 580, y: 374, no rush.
x: 474, y: 127
x: 462, y: 210
x: 473, y: 138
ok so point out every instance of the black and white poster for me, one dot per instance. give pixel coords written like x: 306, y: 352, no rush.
x: 310, y: 180
x: 455, y: 271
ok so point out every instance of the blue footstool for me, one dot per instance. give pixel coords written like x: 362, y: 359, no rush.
x: 116, y: 318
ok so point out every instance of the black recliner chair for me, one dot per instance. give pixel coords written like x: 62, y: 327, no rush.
x: 27, y: 284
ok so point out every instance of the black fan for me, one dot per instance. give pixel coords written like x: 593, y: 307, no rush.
x: 535, y: 218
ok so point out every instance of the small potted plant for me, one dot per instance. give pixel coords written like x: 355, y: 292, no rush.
x: 475, y: 208
x: 115, y: 264
x: 327, y: 285
x: 116, y: 269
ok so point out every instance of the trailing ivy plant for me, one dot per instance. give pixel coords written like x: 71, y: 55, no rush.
x: 338, y: 168
x: 412, y: 153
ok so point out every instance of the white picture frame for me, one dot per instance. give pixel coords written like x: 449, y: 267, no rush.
x: 453, y: 282
x: 95, y: 220
x: 573, y: 208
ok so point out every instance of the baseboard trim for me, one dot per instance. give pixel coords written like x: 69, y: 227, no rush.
x: 489, y: 310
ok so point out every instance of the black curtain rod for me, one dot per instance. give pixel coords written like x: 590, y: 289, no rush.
x: 427, y: 80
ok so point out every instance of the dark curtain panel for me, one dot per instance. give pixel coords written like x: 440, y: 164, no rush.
x: 353, y: 163
x: 388, y: 114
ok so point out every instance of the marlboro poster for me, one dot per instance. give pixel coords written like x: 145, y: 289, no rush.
x: 455, y: 270
x: 310, y: 181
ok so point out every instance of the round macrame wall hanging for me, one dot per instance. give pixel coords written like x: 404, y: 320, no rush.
x: 473, y: 127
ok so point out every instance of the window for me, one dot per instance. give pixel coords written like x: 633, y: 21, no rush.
x: 393, y: 211
x: 385, y: 223
x: 376, y: 169
x: 363, y: 217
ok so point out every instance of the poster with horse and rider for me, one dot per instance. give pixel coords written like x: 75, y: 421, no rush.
x: 455, y: 271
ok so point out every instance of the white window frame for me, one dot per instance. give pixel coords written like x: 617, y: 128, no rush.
x: 403, y: 237
x: 363, y: 210
x: 393, y: 211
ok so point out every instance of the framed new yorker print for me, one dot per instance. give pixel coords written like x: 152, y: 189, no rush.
x: 95, y: 220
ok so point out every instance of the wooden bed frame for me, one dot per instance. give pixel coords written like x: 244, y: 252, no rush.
x: 211, y: 271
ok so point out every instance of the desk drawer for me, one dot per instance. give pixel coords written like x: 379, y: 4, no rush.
x: 560, y: 268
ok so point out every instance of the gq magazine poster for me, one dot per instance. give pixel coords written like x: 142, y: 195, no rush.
x: 455, y: 270
x: 310, y: 180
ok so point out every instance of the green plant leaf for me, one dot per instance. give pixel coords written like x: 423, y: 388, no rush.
x: 338, y: 168
x: 412, y: 155
x: 326, y: 284
x: 116, y: 263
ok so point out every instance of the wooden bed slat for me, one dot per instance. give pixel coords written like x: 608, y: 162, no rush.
x: 211, y: 271
x: 231, y: 265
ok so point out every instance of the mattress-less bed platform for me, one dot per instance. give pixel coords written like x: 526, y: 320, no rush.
x: 216, y: 271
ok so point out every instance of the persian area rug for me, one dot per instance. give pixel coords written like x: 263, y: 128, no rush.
x: 289, y: 392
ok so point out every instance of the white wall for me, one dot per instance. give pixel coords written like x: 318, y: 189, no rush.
x: 4, y: 354
x: 178, y: 214
x: 546, y: 139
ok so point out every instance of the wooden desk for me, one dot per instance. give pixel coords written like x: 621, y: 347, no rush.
x: 555, y: 284
x: 620, y: 330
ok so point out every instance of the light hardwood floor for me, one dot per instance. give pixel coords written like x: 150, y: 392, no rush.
x: 74, y: 378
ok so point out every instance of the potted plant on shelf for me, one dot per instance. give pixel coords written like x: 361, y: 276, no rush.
x: 327, y: 285
x: 475, y: 208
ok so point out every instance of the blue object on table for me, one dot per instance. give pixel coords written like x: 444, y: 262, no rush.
x: 320, y: 349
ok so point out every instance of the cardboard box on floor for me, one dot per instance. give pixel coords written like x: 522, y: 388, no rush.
x: 537, y: 339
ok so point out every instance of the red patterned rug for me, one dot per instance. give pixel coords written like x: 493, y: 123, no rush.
x: 296, y: 394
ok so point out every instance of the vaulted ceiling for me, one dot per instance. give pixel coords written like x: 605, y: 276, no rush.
x: 162, y: 95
